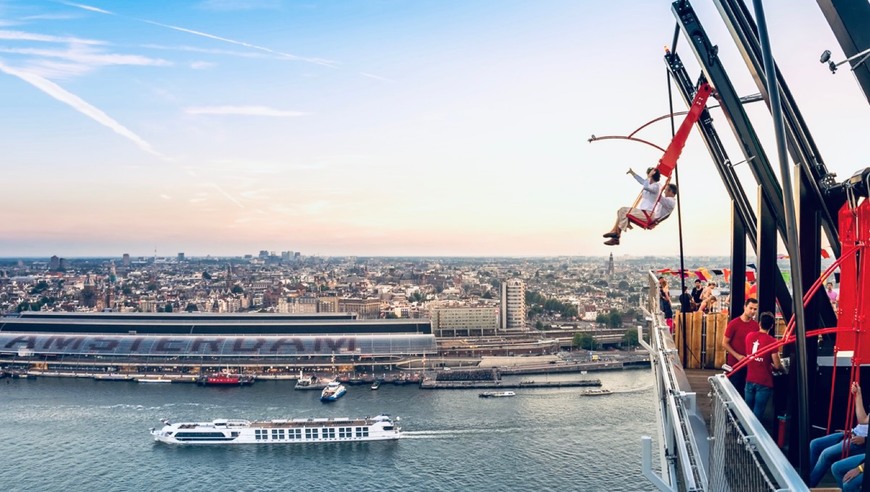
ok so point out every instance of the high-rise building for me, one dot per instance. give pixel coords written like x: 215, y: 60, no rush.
x: 180, y: 256
x: 513, y: 305
x: 610, y: 265
x: 125, y: 260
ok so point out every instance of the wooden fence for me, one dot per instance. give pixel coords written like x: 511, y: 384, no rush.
x: 704, y: 334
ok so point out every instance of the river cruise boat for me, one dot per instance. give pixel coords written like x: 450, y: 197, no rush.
x: 596, y: 392
x: 281, y: 431
x: 497, y: 394
x: 333, y: 391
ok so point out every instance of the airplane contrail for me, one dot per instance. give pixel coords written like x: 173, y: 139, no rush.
x: 81, y: 106
x: 317, y: 61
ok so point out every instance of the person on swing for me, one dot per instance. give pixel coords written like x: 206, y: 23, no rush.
x: 644, y: 211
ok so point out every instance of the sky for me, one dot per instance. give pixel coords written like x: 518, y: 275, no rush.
x: 372, y: 128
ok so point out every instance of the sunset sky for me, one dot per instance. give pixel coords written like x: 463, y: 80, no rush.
x: 389, y: 127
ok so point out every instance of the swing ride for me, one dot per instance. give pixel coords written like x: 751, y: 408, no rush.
x: 733, y: 450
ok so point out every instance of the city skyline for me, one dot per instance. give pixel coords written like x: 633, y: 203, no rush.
x: 396, y: 128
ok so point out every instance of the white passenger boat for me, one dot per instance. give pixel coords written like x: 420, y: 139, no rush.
x: 333, y: 391
x: 153, y: 380
x: 596, y: 392
x: 497, y: 394
x: 281, y: 431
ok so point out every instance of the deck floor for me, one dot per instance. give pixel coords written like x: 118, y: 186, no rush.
x: 698, y: 381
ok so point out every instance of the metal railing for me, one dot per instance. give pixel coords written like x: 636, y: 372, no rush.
x: 739, y: 455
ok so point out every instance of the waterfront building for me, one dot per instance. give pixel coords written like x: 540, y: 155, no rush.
x: 464, y: 321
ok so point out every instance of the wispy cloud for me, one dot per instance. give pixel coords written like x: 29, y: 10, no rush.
x: 243, y: 111
x: 202, y: 65
x: 80, y: 105
x: 376, y: 77
x: 45, y: 38
x: 232, y: 5
x: 88, y: 57
x: 289, y: 56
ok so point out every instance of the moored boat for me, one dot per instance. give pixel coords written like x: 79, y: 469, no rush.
x: 333, y: 391
x: 279, y: 431
x: 309, y: 383
x: 376, y: 384
x: 496, y: 394
x: 596, y: 392
x: 225, y: 379
x: 153, y: 380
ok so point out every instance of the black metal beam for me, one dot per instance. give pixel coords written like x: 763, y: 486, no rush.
x: 766, y: 256
x: 800, y: 144
x: 850, y: 21
x: 738, y: 263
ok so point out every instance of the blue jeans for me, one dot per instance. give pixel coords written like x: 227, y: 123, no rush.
x: 841, y: 467
x: 824, y: 451
x: 756, y: 397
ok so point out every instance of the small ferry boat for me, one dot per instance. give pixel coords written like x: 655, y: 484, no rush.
x: 496, y: 394
x: 596, y: 392
x: 376, y: 384
x: 225, y: 379
x: 281, y: 431
x: 333, y: 391
x: 309, y: 383
x: 153, y: 380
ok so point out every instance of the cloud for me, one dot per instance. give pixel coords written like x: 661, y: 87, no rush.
x: 45, y: 38
x: 232, y: 5
x: 89, y: 57
x: 317, y: 61
x: 88, y: 7
x: 376, y: 77
x: 202, y: 65
x: 81, y: 106
x: 243, y: 111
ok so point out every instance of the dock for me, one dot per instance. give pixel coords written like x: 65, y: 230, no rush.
x: 432, y: 384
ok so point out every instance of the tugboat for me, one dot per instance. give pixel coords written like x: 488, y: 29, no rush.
x: 333, y: 391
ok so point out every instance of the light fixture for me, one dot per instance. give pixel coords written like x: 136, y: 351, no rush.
x: 826, y: 58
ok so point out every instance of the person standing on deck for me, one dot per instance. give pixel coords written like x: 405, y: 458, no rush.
x: 696, y: 294
x: 759, y: 371
x: 734, y: 341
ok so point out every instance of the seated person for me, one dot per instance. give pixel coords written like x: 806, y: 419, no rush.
x: 826, y: 450
x: 849, y: 473
x: 664, y: 208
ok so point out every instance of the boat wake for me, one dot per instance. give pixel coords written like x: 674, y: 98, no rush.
x: 444, y: 434
x: 633, y: 390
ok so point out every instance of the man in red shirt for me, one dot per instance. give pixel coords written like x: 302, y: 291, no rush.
x: 734, y: 341
x: 759, y: 371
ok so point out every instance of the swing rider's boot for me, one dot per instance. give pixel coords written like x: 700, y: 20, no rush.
x: 614, y: 241
x: 612, y: 233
